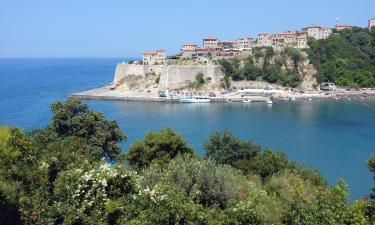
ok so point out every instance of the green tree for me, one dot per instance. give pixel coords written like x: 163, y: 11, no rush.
x: 158, y: 147
x: 199, y: 79
x: 225, y: 148
x: 72, y: 118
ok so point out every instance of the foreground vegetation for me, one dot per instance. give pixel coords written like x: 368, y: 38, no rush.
x: 73, y: 172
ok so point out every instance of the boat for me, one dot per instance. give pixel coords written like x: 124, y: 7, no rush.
x: 247, y: 101
x: 336, y: 97
x: 283, y: 99
x: 195, y: 99
x: 162, y: 94
x: 269, y: 101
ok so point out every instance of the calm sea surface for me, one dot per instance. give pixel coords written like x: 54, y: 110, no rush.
x: 334, y: 137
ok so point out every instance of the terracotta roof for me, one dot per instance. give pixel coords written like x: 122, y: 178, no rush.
x: 343, y: 25
x: 153, y: 52
x: 149, y: 53
x: 372, y: 18
x: 210, y: 38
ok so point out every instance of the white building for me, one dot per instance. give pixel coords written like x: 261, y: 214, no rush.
x: 264, y: 40
x: 244, y: 43
x: 210, y: 42
x: 371, y: 23
x: 302, y: 40
x: 188, y: 50
x: 153, y: 57
x: 284, y: 39
x: 317, y: 31
x: 343, y: 26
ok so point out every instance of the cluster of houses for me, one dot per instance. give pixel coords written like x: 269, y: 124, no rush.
x: 213, y: 47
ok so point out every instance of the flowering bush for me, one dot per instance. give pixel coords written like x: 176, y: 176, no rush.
x: 86, y: 194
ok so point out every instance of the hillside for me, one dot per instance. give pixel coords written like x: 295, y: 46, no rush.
x: 347, y: 57
x: 289, y: 67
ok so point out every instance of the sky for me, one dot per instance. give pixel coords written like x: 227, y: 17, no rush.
x: 120, y: 28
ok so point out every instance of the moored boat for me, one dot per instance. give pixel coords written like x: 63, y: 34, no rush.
x: 246, y: 101
x: 195, y: 99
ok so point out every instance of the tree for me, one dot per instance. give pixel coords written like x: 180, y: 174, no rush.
x: 72, y: 118
x: 265, y: 164
x: 159, y: 147
x: 199, y: 79
x: 224, y: 148
x: 371, y: 203
x: 250, y: 71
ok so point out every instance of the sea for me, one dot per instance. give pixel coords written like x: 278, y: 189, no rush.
x: 335, y: 137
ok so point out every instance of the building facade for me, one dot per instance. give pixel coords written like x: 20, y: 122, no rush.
x: 264, y: 40
x: 302, y: 40
x: 371, y: 23
x: 153, y: 57
x: 342, y: 27
x: 318, y: 32
x: 210, y: 42
x: 244, y: 43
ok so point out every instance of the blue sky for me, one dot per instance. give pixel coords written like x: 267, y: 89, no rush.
x: 119, y: 28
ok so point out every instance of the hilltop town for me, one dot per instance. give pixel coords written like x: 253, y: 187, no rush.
x: 203, y: 68
x: 213, y: 48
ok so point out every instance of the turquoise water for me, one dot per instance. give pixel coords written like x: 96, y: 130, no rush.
x: 335, y: 137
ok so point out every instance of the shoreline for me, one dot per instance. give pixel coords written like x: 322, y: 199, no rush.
x: 106, y: 93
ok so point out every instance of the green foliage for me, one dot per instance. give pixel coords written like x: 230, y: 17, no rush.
x: 200, y: 181
x: 72, y: 118
x: 224, y: 148
x: 347, y: 58
x: 270, y: 72
x: 371, y: 203
x: 199, y: 80
x: 159, y: 147
x: 294, y: 54
x: 265, y: 164
x: 157, y: 80
x: 250, y: 71
x: 53, y: 176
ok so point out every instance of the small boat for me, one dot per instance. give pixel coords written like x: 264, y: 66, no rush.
x: 269, y: 101
x: 246, y: 101
x: 162, y: 94
x: 283, y: 99
x: 195, y: 99
x: 310, y: 99
x: 336, y: 97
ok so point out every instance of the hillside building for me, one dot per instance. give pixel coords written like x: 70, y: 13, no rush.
x: 264, y: 40
x: 302, y: 40
x: 371, y: 23
x: 244, y: 43
x: 153, y: 57
x: 317, y: 31
x: 343, y: 26
x: 210, y: 42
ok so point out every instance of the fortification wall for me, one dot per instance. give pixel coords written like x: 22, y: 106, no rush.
x: 177, y: 76
x: 123, y: 70
x: 171, y: 76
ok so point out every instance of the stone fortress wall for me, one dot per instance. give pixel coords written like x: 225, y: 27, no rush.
x: 171, y: 76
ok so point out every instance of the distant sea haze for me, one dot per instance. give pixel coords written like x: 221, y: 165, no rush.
x: 336, y: 137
